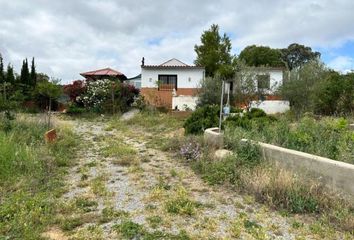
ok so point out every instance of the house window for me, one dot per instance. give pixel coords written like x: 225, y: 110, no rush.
x: 167, y: 82
x: 263, y: 81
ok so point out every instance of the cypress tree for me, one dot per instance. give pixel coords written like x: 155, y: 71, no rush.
x: 25, y: 76
x: 33, y: 74
x: 10, y: 76
x: 2, y: 74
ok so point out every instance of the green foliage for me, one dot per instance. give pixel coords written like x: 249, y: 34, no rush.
x: 130, y: 230
x: 201, y: 119
x: 257, y: 56
x: 229, y: 169
x: 33, y: 74
x: 297, y: 55
x: 30, y: 177
x: 254, y: 118
x: 209, y: 92
x: 73, y: 109
x: 10, y: 75
x: 71, y: 223
x: 299, y: 89
x: 2, y: 73
x: 154, y: 221
x: 334, y: 95
x: 328, y: 137
x: 214, y: 53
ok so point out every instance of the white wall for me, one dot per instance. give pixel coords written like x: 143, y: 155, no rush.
x: 182, y: 101
x: 186, y: 77
x: 272, y: 106
x: 276, y: 78
x: 335, y: 174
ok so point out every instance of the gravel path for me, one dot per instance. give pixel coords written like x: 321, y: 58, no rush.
x: 142, y: 192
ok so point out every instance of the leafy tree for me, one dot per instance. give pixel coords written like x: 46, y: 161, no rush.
x: 245, y: 84
x: 33, y: 74
x: 214, y: 52
x: 51, y: 91
x: 296, y: 55
x: 261, y: 56
x: 334, y: 95
x: 42, y: 77
x: 299, y: 88
x: 209, y: 91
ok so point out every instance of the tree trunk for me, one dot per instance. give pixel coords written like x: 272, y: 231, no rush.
x: 49, y: 112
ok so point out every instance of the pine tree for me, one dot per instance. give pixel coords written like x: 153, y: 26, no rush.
x: 214, y: 51
x: 33, y: 74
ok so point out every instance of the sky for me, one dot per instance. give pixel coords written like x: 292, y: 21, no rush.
x: 67, y: 37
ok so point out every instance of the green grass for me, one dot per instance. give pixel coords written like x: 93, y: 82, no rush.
x: 70, y: 223
x: 154, y: 221
x: 31, y: 176
x: 131, y: 230
x: 156, y: 122
x: 85, y: 204
x: 181, y: 203
x: 328, y: 137
x: 109, y: 214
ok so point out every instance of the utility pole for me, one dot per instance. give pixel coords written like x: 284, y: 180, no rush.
x: 112, y: 94
x: 221, y: 103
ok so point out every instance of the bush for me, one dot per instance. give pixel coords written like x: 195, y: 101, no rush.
x: 203, y: 118
x: 124, y: 96
x: 74, y: 109
x: 74, y: 90
x: 255, y: 117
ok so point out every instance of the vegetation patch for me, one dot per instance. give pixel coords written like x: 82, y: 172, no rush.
x: 31, y: 175
x: 109, y: 214
x: 181, y: 204
x: 130, y: 230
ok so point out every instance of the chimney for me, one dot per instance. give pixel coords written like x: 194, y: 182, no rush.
x: 143, y: 62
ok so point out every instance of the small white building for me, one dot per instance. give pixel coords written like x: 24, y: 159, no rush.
x: 267, y: 82
x: 172, y: 84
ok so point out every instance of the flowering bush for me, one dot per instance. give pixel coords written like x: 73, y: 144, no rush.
x: 125, y: 95
x: 190, y: 150
x: 97, y: 92
x: 75, y: 89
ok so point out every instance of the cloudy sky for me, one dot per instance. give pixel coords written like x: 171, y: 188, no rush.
x: 71, y: 36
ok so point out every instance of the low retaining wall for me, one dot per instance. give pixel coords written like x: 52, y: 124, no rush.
x: 335, y: 174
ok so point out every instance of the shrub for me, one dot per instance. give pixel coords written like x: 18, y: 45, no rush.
x: 190, y: 150
x: 96, y: 94
x: 203, y: 118
x: 74, y: 90
x: 124, y: 96
x: 253, y: 118
x: 74, y: 109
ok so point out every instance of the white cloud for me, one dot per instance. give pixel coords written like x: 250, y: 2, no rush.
x: 68, y: 37
x: 342, y: 64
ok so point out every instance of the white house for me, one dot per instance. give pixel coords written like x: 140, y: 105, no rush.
x: 172, y: 84
x: 267, y: 81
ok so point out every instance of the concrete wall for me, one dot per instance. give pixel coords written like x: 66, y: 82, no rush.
x: 186, y: 77
x: 335, y: 174
x: 272, y: 106
x: 181, y: 102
